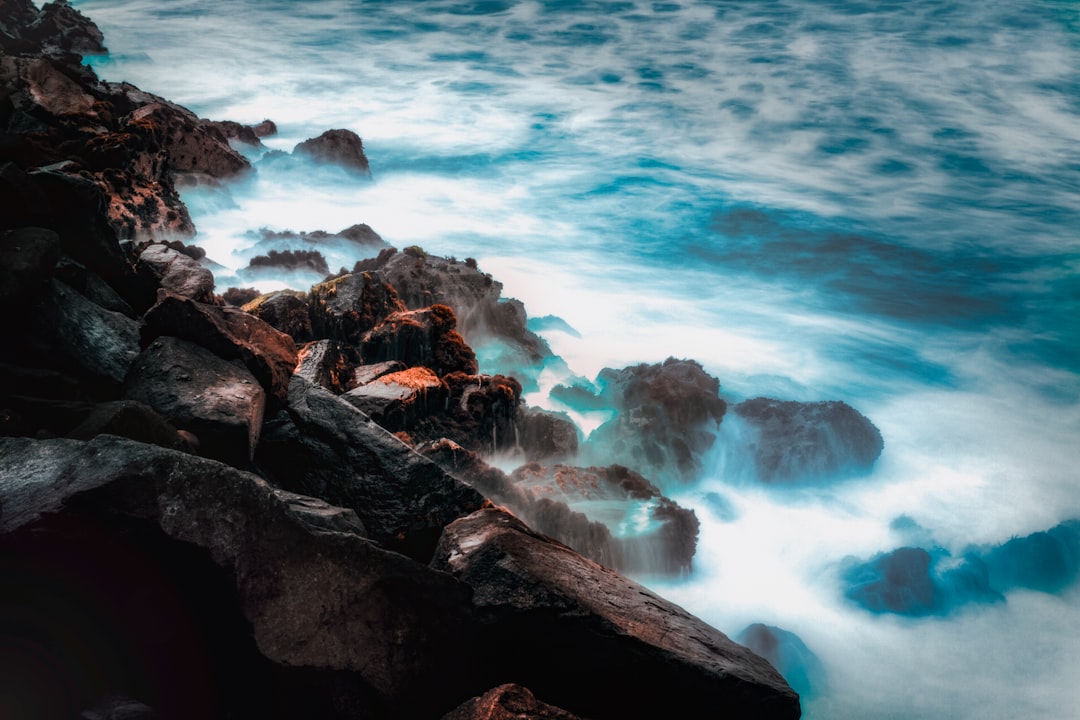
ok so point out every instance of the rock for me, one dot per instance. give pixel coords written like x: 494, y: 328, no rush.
x: 1045, y: 561
x: 508, y: 702
x: 620, y: 648
x: 228, y: 597
x: 63, y: 27
x: 368, y: 373
x: 362, y: 235
x: 794, y: 441
x: 329, y: 365
x: 238, y: 297
x: 421, y: 337
x: 191, y: 145
x: 399, y: 400
x: 336, y: 147
x: 129, y: 419
x: 479, y: 413
x: 346, y: 308
x: 27, y: 259
x: 91, y: 286
x: 177, y: 273
x: 655, y: 535
x: 230, y: 333
x: 327, y: 448
x: 100, y: 342
x: 668, y: 415
x: 544, y: 435
x: 246, y: 134
x: 195, y: 390
x: 284, y: 310
x: 266, y: 128
x: 786, y: 652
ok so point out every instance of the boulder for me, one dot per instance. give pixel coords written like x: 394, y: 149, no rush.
x: 795, y: 441
x: 786, y: 652
x: 421, y: 337
x: 479, y: 413
x: 364, y: 374
x: 284, y: 310
x: 668, y: 416
x: 336, y: 147
x: 28, y: 257
x: 621, y: 649
x: 544, y: 435
x: 177, y: 273
x: 346, y: 308
x: 327, y: 448
x: 507, y: 702
x: 205, y: 592
x: 219, y: 402
x: 99, y: 342
x: 329, y: 364
x: 399, y: 400
x: 269, y: 354
x: 91, y: 286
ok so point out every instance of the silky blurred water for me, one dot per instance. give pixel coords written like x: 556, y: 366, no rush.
x: 871, y: 202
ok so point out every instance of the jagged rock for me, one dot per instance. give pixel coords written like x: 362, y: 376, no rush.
x: 28, y: 257
x: 191, y: 144
x: 311, y: 260
x: 195, y: 390
x: 508, y: 702
x: 620, y: 648
x: 253, y: 598
x: 336, y: 147
x: 668, y: 415
x: 177, y: 273
x: 327, y: 448
x: 100, y: 342
x: 620, y: 498
x: 479, y: 414
x: 793, y: 441
x: 246, y: 134
x: 363, y: 235
x: 397, y: 401
x: 367, y: 373
x: 346, y: 308
x: 90, y: 285
x: 230, y: 333
x: 266, y: 128
x: 546, y: 435
x: 61, y: 26
x: 285, y: 310
x: 421, y: 337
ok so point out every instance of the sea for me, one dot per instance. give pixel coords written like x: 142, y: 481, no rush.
x: 872, y: 202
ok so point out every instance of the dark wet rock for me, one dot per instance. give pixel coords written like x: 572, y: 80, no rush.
x: 129, y: 419
x: 327, y: 448
x: 367, y: 373
x: 219, y: 402
x: 329, y: 365
x: 399, y: 400
x: 28, y: 257
x: 508, y: 702
x: 177, y: 273
x: 668, y: 416
x: 336, y: 147
x: 119, y: 708
x: 795, y: 441
x: 619, y: 498
x: 620, y: 648
x: 422, y: 280
x: 285, y: 310
x: 479, y: 413
x: 238, y: 132
x: 192, y: 145
x: 291, y: 260
x: 99, y: 342
x: 786, y: 652
x: 346, y: 308
x: 425, y: 337
x: 91, y: 286
x: 545, y: 435
x: 230, y: 333
x: 252, y: 598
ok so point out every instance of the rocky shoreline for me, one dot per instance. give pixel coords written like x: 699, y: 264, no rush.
x: 281, y: 505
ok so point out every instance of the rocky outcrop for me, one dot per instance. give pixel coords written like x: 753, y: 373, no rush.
x: 794, y: 441
x: 399, y: 400
x: 620, y: 648
x: 421, y: 337
x: 311, y: 260
x: 177, y: 273
x: 544, y: 435
x: 667, y: 418
x: 336, y: 147
x: 347, y: 307
x: 284, y: 310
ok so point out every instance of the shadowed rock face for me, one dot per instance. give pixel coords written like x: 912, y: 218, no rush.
x: 620, y: 648
x: 786, y: 652
x: 508, y: 702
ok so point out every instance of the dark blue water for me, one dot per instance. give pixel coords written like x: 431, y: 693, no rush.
x: 872, y: 202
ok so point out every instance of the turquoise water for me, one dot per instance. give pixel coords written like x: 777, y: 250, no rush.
x: 871, y: 202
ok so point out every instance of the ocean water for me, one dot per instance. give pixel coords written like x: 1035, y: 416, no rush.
x: 817, y: 199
